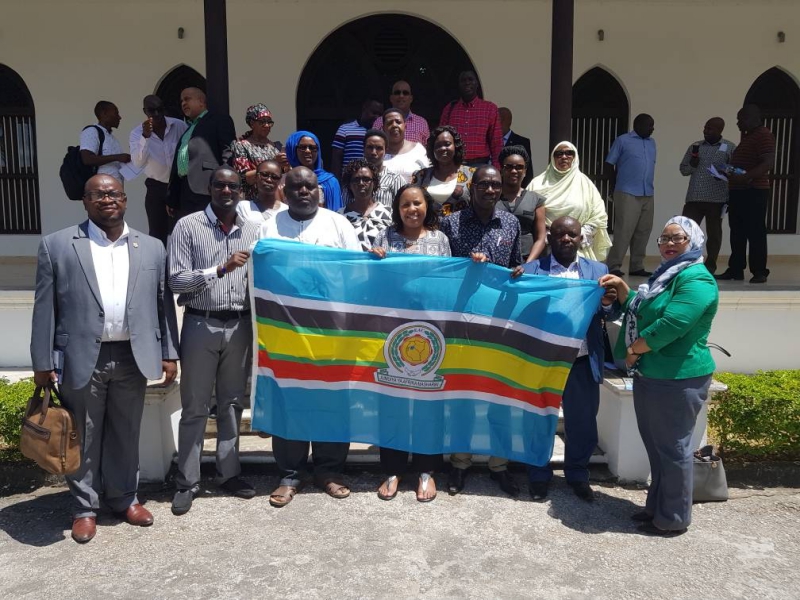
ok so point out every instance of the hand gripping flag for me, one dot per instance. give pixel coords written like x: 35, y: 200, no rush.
x: 425, y: 354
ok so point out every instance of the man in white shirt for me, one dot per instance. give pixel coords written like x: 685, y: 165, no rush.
x: 153, y: 145
x: 307, y: 222
x: 106, y: 154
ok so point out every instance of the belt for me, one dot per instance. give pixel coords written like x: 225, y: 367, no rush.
x: 222, y: 315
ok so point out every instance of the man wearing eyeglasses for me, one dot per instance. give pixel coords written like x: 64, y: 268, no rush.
x: 208, y: 253
x: 103, y: 326
x: 417, y: 129
x: 153, y: 144
x: 348, y: 143
x: 485, y: 234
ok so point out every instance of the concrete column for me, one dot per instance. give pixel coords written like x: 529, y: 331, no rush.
x: 561, y: 72
x: 216, y: 26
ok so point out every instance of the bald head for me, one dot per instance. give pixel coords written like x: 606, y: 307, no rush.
x: 302, y: 193
x: 712, y: 132
x: 193, y: 102
x: 565, y: 240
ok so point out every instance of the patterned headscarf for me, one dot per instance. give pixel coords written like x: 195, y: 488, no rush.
x: 257, y: 111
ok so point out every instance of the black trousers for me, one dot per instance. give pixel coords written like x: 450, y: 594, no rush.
x: 155, y: 204
x: 395, y: 462
x: 191, y: 202
x: 712, y: 212
x: 747, y: 217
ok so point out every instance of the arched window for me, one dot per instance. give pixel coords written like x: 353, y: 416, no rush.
x: 173, y: 83
x: 19, y: 177
x: 778, y: 97
x: 599, y: 114
x: 363, y: 58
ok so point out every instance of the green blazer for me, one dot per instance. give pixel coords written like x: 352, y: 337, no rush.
x: 675, y: 325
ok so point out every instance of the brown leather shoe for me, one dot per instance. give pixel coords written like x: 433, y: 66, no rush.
x: 83, y: 529
x: 138, y: 515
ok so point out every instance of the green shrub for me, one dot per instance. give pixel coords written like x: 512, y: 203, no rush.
x: 13, y: 400
x: 758, y: 418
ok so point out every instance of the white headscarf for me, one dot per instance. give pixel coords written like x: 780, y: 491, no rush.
x: 572, y: 194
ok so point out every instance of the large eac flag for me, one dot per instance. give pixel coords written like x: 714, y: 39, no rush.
x: 427, y: 354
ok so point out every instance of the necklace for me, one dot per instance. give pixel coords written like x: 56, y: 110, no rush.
x: 411, y: 243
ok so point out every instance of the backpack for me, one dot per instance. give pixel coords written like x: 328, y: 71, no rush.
x: 73, y: 173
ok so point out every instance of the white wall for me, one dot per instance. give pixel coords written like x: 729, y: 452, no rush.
x: 680, y: 61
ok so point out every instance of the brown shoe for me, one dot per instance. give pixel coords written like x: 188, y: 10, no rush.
x: 138, y: 515
x: 83, y: 529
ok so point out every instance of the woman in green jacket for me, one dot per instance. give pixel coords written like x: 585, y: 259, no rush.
x: 665, y: 330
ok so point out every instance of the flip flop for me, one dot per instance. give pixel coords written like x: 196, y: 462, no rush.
x: 282, y: 495
x: 336, y: 490
x: 424, y: 479
x: 388, y: 483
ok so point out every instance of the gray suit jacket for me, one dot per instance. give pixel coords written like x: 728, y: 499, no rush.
x: 68, y: 308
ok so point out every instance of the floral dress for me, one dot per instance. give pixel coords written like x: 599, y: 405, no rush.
x: 246, y: 156
x: 459, y: 199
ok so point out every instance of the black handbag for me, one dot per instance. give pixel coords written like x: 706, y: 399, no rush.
x: 710, y: 483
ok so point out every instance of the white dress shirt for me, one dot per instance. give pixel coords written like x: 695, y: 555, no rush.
x: 90, y: 141
x: 326, y: 228
x: 247, y: 209
x: 111, y: 265
x: 571, y: 272
x: 153, y: 154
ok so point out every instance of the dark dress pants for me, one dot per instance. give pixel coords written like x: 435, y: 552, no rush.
x: 291, y: 456
x: 191, y: 202
x: 712, y: 212
x: 747, y: 217
x: 580, y: 402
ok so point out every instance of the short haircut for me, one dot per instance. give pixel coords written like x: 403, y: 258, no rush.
x: 642, y: 118
x: 431, y: 216
x: 481, y: 169
x: 514, y: 151
x: 271, y: 161
x: 376, y: 133
x: 220, y: 170
x: 393, y: 110
x: 354, y: 166
x: 102, y: 106
x: 458, y: 155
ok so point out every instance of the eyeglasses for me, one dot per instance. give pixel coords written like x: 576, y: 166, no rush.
x: 263, y: 121
x: 361, y: 180
x: 267, y: 175
x: 511, y: 167
x: 560, y: 153
x: 307, y: 148
x: 401, y: 92
x: 221, y: 185
x: 97, y: 195
x: 485, y: 185
x: 675, y: 239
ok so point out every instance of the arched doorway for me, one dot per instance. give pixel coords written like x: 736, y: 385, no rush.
x: 600, y: 112
x: 173, y: 83
x: 363, y: 58
x: 778, y: 97
x: 19, y: 177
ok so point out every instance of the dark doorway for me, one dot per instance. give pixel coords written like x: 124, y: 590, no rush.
x: 19, y: 177
x: 362, y: 59
x: 599, y: 114
x: 171, y: 86
x: 778, y: 97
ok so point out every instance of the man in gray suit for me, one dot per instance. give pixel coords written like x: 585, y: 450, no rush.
x: 102, y: 326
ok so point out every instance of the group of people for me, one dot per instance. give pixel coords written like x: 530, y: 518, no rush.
x: 104, y: 319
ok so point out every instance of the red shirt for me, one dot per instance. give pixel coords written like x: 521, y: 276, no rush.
x: 754, y: 146
x: 478, y: 124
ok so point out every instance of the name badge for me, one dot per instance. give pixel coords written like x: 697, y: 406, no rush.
x: 723, y: 147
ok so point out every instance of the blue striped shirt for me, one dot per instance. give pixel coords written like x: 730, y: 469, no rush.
x: 350, y: 138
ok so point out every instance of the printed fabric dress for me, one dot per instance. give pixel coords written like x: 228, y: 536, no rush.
x: 246, y: 156
x: 370, y: 225
x: 433, y: 243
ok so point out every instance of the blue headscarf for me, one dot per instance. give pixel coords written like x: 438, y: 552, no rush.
x: 328, y: 183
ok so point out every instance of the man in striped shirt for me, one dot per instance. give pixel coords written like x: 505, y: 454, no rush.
x: 477, y: 122
x: 207, y: 259
x: 348, y: 143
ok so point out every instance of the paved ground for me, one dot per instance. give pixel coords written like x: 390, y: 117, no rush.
x: 477, y: 545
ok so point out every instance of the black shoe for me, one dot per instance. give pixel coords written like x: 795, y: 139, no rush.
x: 455, y: 481
x: 617, y: 272
x: 538, y: 490
x: 729, y: 276
x: 642, y: 516
x: 182, y: 502
x: 238, y: 487
x: 582, y: 490
x: 650, y: 529
x: 641, y: 273
x: 506, y: 482
x: 212, y: 413
x: 758, y: 279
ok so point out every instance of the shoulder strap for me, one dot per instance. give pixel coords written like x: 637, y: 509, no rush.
x: 101, y: 135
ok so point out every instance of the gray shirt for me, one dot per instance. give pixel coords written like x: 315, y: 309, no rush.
x: 703, y: 186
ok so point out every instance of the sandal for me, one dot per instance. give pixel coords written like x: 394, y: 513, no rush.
x: 424, y: 480
x: 336, y: 490
x: 282, y: 495
x: 393, y: 479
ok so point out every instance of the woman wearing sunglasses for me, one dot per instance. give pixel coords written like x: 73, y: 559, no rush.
x: 367, y: 216
x: 269, y: 202
x: 664, y: 341
x: 526, y: 205
x: 570, y: 193
x: 254, y: 147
